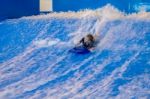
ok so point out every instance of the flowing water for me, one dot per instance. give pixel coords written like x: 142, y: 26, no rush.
x: 35, y: 62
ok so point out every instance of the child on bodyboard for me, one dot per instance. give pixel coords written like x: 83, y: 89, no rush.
x: 86, y: 44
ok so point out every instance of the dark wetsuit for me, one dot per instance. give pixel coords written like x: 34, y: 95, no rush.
x: 87, y: 45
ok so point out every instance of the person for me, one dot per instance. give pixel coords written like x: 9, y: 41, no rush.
x: 88, y: 42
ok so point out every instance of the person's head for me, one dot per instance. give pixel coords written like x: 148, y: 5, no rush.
x: 90, y: 37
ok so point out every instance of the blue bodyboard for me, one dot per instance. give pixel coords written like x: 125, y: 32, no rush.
x: 79, y: 50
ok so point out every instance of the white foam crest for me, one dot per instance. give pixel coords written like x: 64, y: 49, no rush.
x: 46, y: 42
x: 139, y: 15
x: 108, y: 11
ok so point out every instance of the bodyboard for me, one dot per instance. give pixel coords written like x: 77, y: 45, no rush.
x: 79, y: 50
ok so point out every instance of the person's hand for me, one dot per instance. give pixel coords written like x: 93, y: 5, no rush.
x: 91, y: 49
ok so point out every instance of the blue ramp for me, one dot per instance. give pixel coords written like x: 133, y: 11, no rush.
x: 35, y: 63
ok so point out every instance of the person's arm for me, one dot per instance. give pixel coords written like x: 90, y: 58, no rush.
x: 81, y: 41
x: 93, y: 46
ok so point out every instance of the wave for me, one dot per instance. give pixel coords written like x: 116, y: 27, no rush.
x: 35, y: 63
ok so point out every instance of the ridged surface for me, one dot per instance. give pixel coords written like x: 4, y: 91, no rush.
x: 35, y: 63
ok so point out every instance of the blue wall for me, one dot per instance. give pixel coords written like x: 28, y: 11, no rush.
x: 18, y: 8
